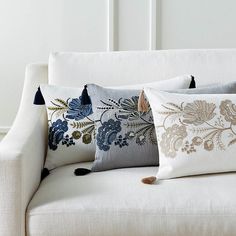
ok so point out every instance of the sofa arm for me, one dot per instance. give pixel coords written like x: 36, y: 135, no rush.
x: 22, y: 154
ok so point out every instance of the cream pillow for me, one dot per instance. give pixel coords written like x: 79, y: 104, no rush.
x: 196, y: 133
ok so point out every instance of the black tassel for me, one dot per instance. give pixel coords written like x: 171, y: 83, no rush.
x: 45, y: 172
x: 85, y: 99
x: 81, y: 171
x: 38, y: 98
x: 193, y: 83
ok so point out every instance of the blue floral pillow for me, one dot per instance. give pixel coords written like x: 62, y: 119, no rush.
x: 71, y: 128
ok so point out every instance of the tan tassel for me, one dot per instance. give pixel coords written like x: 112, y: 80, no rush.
x: 149, y: 180
x: 142, y: 103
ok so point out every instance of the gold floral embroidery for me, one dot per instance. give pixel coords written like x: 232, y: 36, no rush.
x: 198, y: 112
x: 209, y: 145
x: 172, y: 139
x: 228, y: 110
x: 200, y: 121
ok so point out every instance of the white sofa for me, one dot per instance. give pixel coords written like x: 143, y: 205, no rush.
x: 112, y: 202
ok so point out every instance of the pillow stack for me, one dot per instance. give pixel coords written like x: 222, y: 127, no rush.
x: 110, y: 129
x: 184, y: 131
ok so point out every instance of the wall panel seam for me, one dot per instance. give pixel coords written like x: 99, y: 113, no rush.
x: 152, y: 24
x: 110, y: 25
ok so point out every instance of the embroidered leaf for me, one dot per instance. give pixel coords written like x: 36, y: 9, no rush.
x: 60, y: 112
x: 198, y: 130
x: 232, y: 142
x: 56, y: 108
x: 168, y: 112
x: 219, y: 141
x: 134, y: 125
x: 114, y: 102
x: 61, y: 106
x: 175, y: 106
x: 168, y: 108
x: 94, y: 133
x: 105, y: 108
x: 88, y: 130
x: 80, y: 125
x: 152, y: 136
x: 211, y: 135
x: 106, y: 104
x: 62, y: 102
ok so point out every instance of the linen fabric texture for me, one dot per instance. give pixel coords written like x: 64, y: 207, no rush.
x: 118, y: 197
x: 196, y: 134
x: 125, y: 137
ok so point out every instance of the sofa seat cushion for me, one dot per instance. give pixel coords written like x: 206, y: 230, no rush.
x: 115, y: 202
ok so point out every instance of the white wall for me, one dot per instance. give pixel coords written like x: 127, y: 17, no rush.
x: 30, y: 29
x: 198, y: 24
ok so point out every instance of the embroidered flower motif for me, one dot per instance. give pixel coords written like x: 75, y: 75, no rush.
x: 141, y: 139
x: 198, y: 112
x: 197, y: 141
x: 211, y: 131
x: 56, y: 133
x: 87, y: 138
x: 82, y: 124
x: 208, y: 145
x: 107, y: 133
x: 130, y: 108
x: 77, y: 111
x: 121, y: 142
x: 228, y: 110
x: 188, y: 147
x: 68, y: 141
x: 137, y: 126
x: 76, y: 134
x: 130, y: 135
x: 172, y: 140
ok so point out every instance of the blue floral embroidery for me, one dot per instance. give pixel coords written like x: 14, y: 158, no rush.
x: 77, y: 111
x: 56, y: 133
x: 107, y: 133
x: 139, y: 125
x: 130, y: 108
x: 68, y: 141
x: 121, y: 141
x: 73, y: 115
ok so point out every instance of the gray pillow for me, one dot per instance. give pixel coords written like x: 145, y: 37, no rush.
x: 124, y: 136
x: 226, y: 88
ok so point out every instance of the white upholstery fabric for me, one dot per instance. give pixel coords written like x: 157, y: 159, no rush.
x: 117, y: 203
x: 22, y: 153
x: 116, y: 68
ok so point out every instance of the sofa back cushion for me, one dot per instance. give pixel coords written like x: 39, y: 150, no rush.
x: 123, y: 68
